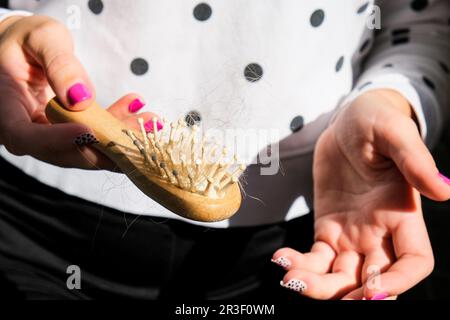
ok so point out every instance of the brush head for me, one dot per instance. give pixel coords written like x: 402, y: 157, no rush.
x: 178, y: 167
x: 198, y: 174
x: 184, y: 157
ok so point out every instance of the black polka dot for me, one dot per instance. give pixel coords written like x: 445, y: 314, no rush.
x: 139, y: 66
x: 253, y: 72
x: 317, y: 18
x: 193, y: 117
x: 365, y: 85
x: 400, y: 40
x: 96, y: 6
x: 428, y: 82
x: 419, y: 5
x: 339, y: 64
x: 363, y: 8
x: 297, y: 124
x: 202, y: 12
x: 364, y: 46
x: 398, y: 32
x: 388, y: 65
x: 444, y: 67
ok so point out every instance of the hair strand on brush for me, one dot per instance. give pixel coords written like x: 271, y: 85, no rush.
x: 179, y: 155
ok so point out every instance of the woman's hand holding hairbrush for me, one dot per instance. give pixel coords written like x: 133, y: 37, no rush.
x: 36, y: 63
x: 177, y: 166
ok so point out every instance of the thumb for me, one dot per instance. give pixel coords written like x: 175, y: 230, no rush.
x: 400, y: 140
x: 51, y: 45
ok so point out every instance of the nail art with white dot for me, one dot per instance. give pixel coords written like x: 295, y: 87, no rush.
x: 282, y: 262
x: 294, y: 285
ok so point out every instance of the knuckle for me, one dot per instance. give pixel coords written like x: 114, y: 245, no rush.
x: 44, y: 31
x: 40, y: 31
x: 48, y: 27
x: 59, y: 63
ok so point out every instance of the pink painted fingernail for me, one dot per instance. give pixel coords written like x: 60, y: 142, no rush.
x: 444, y: 178
x: 78, y: 93
x: 294, y: 285
x: 135, y: 105
x: 380, y: 296
x: 282, y: 262
x: 149, y: 126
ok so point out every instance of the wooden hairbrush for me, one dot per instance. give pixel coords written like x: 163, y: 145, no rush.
x: 185, y: 173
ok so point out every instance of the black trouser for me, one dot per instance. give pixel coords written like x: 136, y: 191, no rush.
x: 43, y: 231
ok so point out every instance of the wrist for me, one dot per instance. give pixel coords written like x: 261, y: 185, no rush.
x: 397, y: 100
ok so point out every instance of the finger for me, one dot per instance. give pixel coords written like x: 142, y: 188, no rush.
x: 376, y: 262
x: 316, y: 286
x: 56, y: 144
x: 349, y: 262
x: 89, y: 158
x: 147, y: 119
x: 126, y: 106
x: 413, y: 159
x: 358, y: 294
x: 414, y: 259
x: 381, y: 297
x: 326, y: 286
x: 402, y: 276
x: 64, y: 71
x: 319, y: 260
x: 391, y: 298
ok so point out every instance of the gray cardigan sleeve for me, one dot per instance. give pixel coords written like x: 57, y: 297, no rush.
x: 410, y: 53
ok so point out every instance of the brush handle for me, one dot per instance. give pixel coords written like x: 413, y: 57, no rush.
x: 115, y: 143
x: 107, y: 129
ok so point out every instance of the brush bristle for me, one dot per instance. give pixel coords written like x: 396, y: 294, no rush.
x: 180, y: 155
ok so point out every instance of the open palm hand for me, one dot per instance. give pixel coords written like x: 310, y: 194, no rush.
x: 370, y: 167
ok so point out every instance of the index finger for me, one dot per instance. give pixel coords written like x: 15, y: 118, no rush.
x: 415, y: 259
